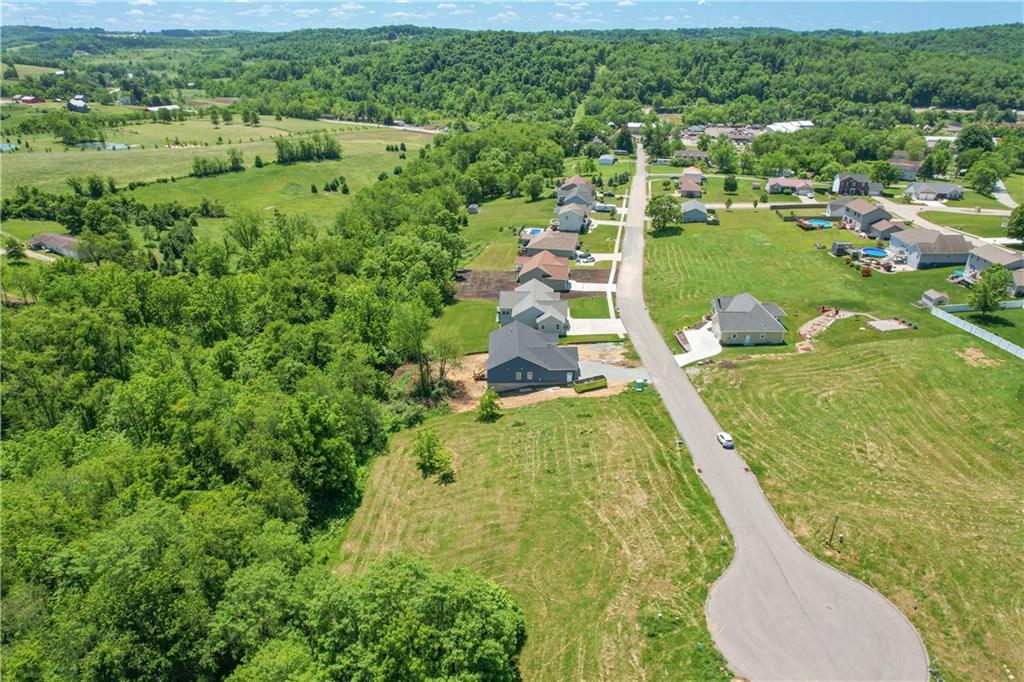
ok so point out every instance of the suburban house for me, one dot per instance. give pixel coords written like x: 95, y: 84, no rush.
x: 693, y: 173
x: 694, y: 212
x: 856, y: 184
x: 691, y: 155
x: 1018, y: 283
x: 549, y: 269
x: 790, y: 186
x: 907, y: 167
x: 925, y: 248
x: 536, y: 305
x: 934, y: 191
x: 581, y: 196
x: 834, y: 208
x: 557, y: 243
x: 572, y: 218
x: 520, y: 358
x: 78, y: 105
x: 606, y: 159
x: 61, y: 244
x: 635, y: 127
x: 689, y: 188
x: 860, y: 214
x: 744, y: 320
x: 983, y: 257
x: 884, y: 229
x: 576, y: 190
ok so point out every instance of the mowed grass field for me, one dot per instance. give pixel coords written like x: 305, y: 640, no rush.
x: 583, y: 510
x: 589, y: 307
x: 974, y: 200
x: 362, y: 149
x: 491, y: 242
x: 1008, y: 324
x: 1015, y: 186
x: 755, y: 251
x: 471, y: 321
x: 914, y: 439
x: 977, y: 224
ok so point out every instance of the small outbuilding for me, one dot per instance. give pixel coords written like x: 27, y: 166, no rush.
x: 694, y: 212
x: 606, y: 159
x: 934, y: 298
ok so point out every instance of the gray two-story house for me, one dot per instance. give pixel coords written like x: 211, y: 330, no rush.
x: 742, y: 320
x: 520, y: 358
x: 924, y: 248
x: 536, y: 305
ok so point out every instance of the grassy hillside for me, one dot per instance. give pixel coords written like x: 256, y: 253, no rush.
x: 586, y: 513
x: 915, y: 442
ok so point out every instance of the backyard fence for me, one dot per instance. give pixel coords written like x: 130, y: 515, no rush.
x: 966, y: 308
x: 982, y: 334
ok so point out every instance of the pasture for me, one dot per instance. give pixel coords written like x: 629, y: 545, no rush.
x: 754, y: 251
x: 362, y: 149
x: 585, y: 512
x: 914, y: 440
x: 976, y: 224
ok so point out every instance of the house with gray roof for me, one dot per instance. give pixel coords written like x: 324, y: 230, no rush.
x: 573, y: 218
x: 694, y: 212
x: 61, y: 244
x: 933, y: 190
x: 784, y: 185
x: 536, y: 305
x: 561, y: 243
x: 546, y: 267
x: 924, y: 248
x: 834, y: 208
x: 983, y: 257
x: 520, y: 358
x: 742, y: 320
x: 884, y: 229
x: 860, y: 214
x: 576, y: 182
x: 583, y: 195
x: 1018, y: 283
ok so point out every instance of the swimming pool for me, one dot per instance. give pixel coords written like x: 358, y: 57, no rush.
x: 533, y: 230
x: 872, y: 252
x: 819, y: 223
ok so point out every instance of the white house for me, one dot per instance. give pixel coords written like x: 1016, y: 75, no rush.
x: 572, y: 218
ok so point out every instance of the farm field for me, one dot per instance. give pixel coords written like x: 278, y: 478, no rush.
x: 589, y: 306
x: 363, y: 147
x: 977, y: 224
x: 585, y: 512
x: 472, y: 321
x: 874, y: 427
x: 754, y: 251
x: 1009, y: 324
x: 491, y: 233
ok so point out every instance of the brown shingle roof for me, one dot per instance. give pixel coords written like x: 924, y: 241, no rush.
x: 555, y: 241
x: 548, y: 263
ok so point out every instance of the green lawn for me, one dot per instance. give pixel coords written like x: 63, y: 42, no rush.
x: 974, y: 200
x: 714, y: 191
x: 1009, y: 324
x: 914, y: 439
x: 26, y: 229
x: 623, y: 165
x: 589, y: 306
x: 976, y: 224
x: 27, y: 70
x: 584, y: 510
x: 777, y: 262
x: 491, y: 242
x: 472, y: 321
x: 362, y: 151
x: 1015, y: 186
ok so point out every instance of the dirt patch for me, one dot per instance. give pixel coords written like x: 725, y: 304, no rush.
x: 483, y: 284
x: 590, y: 276
x: 609, y: 353
x: 975, y: 357
x: 613, y: 388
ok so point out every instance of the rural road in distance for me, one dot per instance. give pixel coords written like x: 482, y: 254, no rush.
x: 777, y: 613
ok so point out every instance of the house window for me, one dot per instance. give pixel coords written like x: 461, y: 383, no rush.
x: 733, y: 336
x: 762, y: 335
x: 529, y: 376
x: 519, y: 376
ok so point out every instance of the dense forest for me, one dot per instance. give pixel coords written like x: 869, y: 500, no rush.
x: 178, y: 442
x: 420, y: 74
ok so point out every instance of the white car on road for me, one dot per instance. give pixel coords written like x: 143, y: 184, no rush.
x: 725, y: 439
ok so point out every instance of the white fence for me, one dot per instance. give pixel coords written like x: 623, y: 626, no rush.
x: 979, y: 332
x: 965, y: 308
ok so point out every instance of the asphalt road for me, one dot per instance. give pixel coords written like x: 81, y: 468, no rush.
x: 777, y: 613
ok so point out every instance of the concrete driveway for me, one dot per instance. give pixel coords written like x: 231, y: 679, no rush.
x: 591, y: 286
x: 587, y: 326
x: 703, y: 345
x: 777, y: 613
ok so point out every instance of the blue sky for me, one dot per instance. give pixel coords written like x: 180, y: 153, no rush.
x: 520, y: 16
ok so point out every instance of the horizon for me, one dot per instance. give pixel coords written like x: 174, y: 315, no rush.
x: 528, y: 17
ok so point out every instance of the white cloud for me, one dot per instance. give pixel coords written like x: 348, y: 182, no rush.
x: 462, y: 11
x: 178, y: 16
x: 702, y: 2
x: 405, y: 15
x: 201, y: 10
x: 574, y: 6
x: 141, y: 2
x: 446, y: 5
x: 504, y: 17
x: 401, y: 2
x: 86, y: 2
x: 261, y: 11
x: 668, y: 17
x: 136, y: 12
x: 625, y: 3
x: 305, y: 11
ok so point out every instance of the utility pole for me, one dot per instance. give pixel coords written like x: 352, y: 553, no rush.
x: 835, y: 522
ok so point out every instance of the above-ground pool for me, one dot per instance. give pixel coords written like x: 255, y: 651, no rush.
x: 819, y: 223
x: 874, y: 253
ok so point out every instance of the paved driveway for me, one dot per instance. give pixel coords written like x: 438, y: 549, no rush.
x: 703, y: 345
x: 586, y: 326
x: 777, y: 613
x: 591, y: 286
